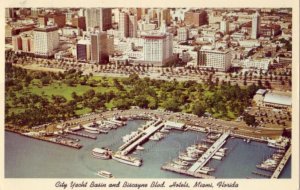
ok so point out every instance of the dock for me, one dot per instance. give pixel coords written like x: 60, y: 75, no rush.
x: 209, y: 153
x: 261, y: 174
x: 144, y: 135
x: 186, y: 172
x: 64, y: 143
x: 282, y: 163
x: 82, y: 135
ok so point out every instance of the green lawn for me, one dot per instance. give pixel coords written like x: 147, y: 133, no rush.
x: 62, y: 89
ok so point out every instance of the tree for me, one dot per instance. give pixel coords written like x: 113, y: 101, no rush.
x: 198, y: 109
x: 250, y: 119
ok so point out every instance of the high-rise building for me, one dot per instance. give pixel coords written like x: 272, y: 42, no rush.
x: 182, y: 34
x: 196, y: 18
x: 158, y: 48
x: 224, y: 26
x: 99, y: 52
x: 255, y: 26
x: 79, y: 22
x: 58, y: 19
x: 123, y: 24
x: 214, y: 58
x: 83, y: 50
x: 98, y: 17
x: 27, y: 43
x: 110, y: 44
x: 46, y: 41
x: 164, y: 15
x: 132, y: 26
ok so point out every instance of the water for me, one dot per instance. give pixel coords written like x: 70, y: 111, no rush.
x: 30, y: 158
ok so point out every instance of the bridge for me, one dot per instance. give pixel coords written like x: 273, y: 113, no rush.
x: 209, y: 153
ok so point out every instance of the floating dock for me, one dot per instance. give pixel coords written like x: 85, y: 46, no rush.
x: 282, y: 163
x: 139, y: 139
x: 168, y: 167
x: 82, y: 135
x: 209, y: 153
x: 261, y: 174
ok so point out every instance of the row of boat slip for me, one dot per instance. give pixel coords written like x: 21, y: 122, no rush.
x: 280, y: 143
x: 271, y: 163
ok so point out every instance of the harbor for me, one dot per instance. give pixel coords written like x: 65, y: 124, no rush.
x: 154, y: 155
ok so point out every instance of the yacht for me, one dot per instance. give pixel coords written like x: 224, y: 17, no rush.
x: 105, y: 174
x: 102, y: 153
x: 127, y: 159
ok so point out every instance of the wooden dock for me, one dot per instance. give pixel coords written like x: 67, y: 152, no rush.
x: 186, y: 172
x: 282, y: 163
x: 261, y: 174
x: 82, y: 135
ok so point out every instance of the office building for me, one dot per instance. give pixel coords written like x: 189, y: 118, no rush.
x: 99, y: 47
x: 46, y: 41
x: 132, y: 26
x: 83, y: 50
x: 213, y: 58
x: 196, y: 18
x: 98, y: 18
x: 182, y: 34
x: 255, y: 26
x: 224, y: 26
x: 123, y: 25
x: 158, y: 48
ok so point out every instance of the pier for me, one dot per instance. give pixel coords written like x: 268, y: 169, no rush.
x: 282, y: 163
x: 82, y: 135
x: 209, y: 153
x: 261, y: 174
x: 186, y: 172
x: 140, y: 138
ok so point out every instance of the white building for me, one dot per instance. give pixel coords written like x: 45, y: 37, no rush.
x: 182, y: 34
x: 224, y: 26
x: 46, y: 41
x: 255, y: 26
x: 132, y: 26
x: 257, y: 64
x: 123, y: 25
x: 214, y: 58
x: 158, y: 48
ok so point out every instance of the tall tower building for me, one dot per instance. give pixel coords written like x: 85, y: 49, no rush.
x: 123, y: 25
x: 158, y: 48
x: 99, y: 17
x: 224, y: 26
x: 99, y: 47
x: 45, y: 41
x: 164, y: 15
x: 255, y: 26
x: 132, y: 26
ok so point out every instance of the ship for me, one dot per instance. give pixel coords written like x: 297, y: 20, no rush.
x: 127, y: 159
x: 185, y: 157
x: 139, y: 147
x: 105, y: 174
x: 279, y: 143
x: 102, y: 153
x: 181, y: 162
x: 207, y: 169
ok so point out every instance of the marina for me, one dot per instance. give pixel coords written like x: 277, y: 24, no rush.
x: 154, y: 155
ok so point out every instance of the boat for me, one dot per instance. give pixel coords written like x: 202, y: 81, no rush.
x: 248, y: 140
x: 92, y: 131
x: 127, y: 159
x: 220, y: 154
x: 181, y: 162
x: 102, y: 153
x: 213, y: 136
x: 76, y: 128
x: 217, y: 157
x: 105, y: 174
x: 185, y: 157
x: 223, y: 150
x: 279, y: 143
x: 207, y: 169
x: 178, y: 166
x: 139, y: 147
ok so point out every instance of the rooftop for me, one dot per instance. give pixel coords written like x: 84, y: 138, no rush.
x: 278, y: 99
